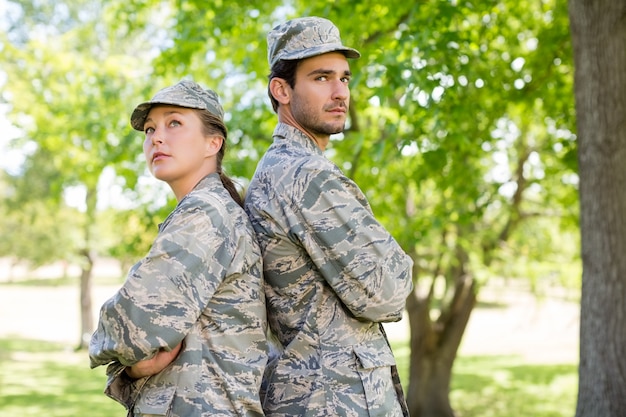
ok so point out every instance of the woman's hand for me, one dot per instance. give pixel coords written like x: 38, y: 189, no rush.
x: 153, y: 365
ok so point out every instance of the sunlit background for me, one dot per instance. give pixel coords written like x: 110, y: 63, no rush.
x: 461, y: 135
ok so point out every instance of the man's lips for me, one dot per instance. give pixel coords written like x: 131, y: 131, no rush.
x: 341, y: 110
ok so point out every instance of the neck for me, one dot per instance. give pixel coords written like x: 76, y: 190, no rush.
x: 183, y: 186
x: 285, y: 116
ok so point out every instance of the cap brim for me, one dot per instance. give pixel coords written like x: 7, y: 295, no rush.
x: 319, y: 50
x: 138, y: 116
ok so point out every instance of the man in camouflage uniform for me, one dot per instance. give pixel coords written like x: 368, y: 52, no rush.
x: 332, y: 272
x: 199, y: 290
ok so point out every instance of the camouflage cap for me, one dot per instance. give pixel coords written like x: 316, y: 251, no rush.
x: 303, y: 38
x: 185, y: 93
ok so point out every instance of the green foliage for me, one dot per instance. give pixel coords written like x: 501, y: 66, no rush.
x: 31, y: 231
x: 458, y: 144
x: 131, y: 232
x: 455, y: 106
x: 31, y: 234
x: 73, y: 81
x: 543, y: 254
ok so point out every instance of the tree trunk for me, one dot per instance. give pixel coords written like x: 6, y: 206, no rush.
x: 599, y: 40
x: 434, y: 346
x: 86, y: 310
x: 12, y: 264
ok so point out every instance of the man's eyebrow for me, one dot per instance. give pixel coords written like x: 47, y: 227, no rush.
x: 322, y: 71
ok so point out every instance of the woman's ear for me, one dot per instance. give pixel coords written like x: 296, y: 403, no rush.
x: 213, y: 144
x: 280, y: 90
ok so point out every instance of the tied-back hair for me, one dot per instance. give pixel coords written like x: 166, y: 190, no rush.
x: 212, y: 125
x: 285, y: 69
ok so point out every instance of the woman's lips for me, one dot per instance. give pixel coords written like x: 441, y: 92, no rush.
x: 158, y: 156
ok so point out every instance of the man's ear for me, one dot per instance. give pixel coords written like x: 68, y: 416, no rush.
x: 280, y: 90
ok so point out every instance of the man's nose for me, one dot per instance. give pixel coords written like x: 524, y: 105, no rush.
x: 341, y: 91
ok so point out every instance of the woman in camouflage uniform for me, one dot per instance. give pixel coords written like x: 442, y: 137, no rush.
x: 185, y: 334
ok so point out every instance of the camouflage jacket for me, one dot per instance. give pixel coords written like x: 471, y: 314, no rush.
x: 200, y: 283
x: 332, y: 274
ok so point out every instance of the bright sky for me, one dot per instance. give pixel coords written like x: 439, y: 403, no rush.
x: 10, y: 159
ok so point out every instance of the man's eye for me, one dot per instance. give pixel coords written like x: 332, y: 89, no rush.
x: 322, y: 78
x: 345, y: 80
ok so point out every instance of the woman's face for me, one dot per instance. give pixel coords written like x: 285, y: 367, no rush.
x: 175, y: 147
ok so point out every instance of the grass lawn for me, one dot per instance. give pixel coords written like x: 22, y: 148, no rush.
x: 49, y: 379
x: 44, y: 378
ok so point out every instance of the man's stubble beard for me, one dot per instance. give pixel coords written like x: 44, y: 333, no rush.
x: 313, y: 124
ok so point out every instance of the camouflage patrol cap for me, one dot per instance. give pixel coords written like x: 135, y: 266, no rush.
x: 185, y: 93
x: 305, y: 37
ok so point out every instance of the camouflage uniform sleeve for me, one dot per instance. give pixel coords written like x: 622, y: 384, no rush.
x: 165, y: 293
x: 120, y: 387
x: 358, y: 258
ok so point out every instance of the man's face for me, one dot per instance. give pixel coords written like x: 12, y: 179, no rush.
x: 321, y: 95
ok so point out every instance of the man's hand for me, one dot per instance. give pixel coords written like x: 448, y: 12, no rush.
x: 153, y: 365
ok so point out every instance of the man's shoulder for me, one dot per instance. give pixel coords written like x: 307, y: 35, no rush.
x: 286, y: 156
x: 290, y: 175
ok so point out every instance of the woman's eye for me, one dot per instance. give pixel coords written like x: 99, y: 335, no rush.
x: 148, y: 130
x: 174, y: 123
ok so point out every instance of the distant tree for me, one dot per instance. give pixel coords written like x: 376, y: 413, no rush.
x: 73, y: 79
x: 130, y: 232
x: 35, y: 229
x: 599, y: 40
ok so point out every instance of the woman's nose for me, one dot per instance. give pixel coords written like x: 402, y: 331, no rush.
x: 157, y: 136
